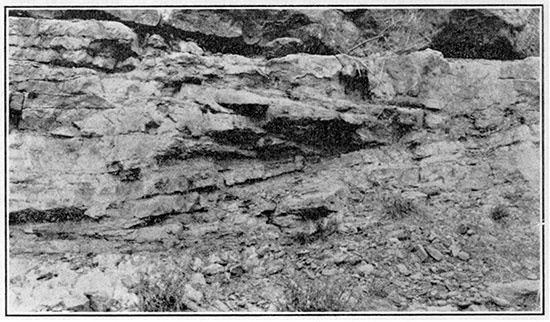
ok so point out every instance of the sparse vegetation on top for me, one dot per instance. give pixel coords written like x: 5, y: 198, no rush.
x: 499, y: 213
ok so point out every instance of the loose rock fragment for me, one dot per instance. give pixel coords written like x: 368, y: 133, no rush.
x: 434, y: 253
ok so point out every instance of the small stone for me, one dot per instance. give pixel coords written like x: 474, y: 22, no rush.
x: 478, y: 308
x: 421, y: 253
x: 262, y: 251
x: 214, y: 259
x: 400, y: 254
x: 252, y: 308
x: 462, y: 229
x: 329, y: 272
x: 464, y: 304
x: 226, y: 257
x: 197, y: 279
x: 532, y: 276
x: 365, y: 269
x: 461, y: 276
x: 279, y: 254
x: 353, y: 259
x: 400, y: 234
x: 500, y: 301
x: 237, y: 271
x: 220, y: 306
x: 463, y: 256
x: 447, y: 275
x: 190, y: 47
x: 403, y: 269
x: 393, y: 240
x: 440, y: 302
x: 437, y: 277
x: 213, y: 269
x: 477, y: 300
x: 339, y: 258
x: 309, y: 274
x: 274, y: 268
x: 484, y: 294
x: 470, y: 232
x: 434, y: 253
x: 452, y: 294
x: 192, y: 294
x: 455, y: 249
x: 417, y: 276
x: 433, y: 236
x: 65, y: 132
x: 197, y: 264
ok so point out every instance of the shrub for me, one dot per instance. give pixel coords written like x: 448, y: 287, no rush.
x: 319, y: 295
x: 162, y: 293
x: 323, y: 229
x: 499, y: 213
x: 399, y: 208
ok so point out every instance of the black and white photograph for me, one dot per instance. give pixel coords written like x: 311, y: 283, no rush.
x: 274, y: 160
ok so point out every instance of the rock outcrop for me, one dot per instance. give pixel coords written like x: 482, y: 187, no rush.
x: 502, y: 34
x: 145, y: 131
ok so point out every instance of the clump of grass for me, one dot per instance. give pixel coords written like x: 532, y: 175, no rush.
x: 162, y: 293
x: 323, y: 229
x: 302, y: 238
x: 378, y: 289
x: 319, y: 295
x: 500, y: 212
x: 399, y: 208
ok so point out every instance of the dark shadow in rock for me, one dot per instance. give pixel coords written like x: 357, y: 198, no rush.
x: 254, y: 111
x: 61, y: 214
x: 469, y: 34
x: 332, y: 137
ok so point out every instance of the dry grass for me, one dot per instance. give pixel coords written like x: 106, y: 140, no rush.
x: 397, y: 30
x: 499, y: 213
x: 323, y: 229
x: 399, y: 208
x: 319, y: 295
x: 162, y: 293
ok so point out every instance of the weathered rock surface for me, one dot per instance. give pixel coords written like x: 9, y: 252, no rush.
x: 489, y: 33
x: 137, y: 137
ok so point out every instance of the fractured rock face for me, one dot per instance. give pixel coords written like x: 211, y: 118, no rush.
x: 102, y: 44
x: 196, y: 130
x: 312, y: 201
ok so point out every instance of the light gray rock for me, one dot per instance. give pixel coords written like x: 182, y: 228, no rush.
x: 463, y: 256
x: 213, y: 269
x: 514, y: 290
x: 434, y: 253
x: 365, y: 269
x: 193, y: 294
x: 403, y: 269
